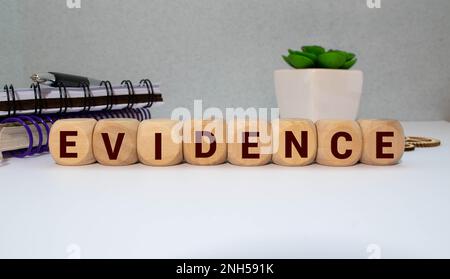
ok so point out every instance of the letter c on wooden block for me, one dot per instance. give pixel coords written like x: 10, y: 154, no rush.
x: 297, y: 142
x: 384, y: 142
x: 70, y: 142
x: 115, y: 142
x: 205, y: 142
x: 251, y: 142
x: 339, y: 142
x: 159, y: 142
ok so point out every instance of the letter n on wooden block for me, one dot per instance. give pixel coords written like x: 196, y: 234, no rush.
x: 249, y: 142
x: 339, y: 142
x: 384, y: 142
x: 115, y: 142
x: 294, y: 142
x: 160, y: 142
x: 70, y: 142
x: 205, y: 142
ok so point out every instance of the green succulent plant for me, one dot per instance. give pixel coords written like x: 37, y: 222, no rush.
x: 318, y: 57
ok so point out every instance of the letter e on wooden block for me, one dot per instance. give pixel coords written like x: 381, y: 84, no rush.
x: 160, y: 143
x: 70, y: 142
x: 297, y: 142
x: 249, y: 142
x: 384, y: 142
x: 115, y: 142
x: 205, y: 142
x: 339, y: 142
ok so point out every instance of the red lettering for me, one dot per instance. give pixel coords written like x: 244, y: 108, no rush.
x: 199, y: 145
x: 64, y: 143
x: 246, y: 146
x: 381, y: 144
x: 113, y: 154
x: 334, y: 145
x: 158, y: 146
x: 291, y: 140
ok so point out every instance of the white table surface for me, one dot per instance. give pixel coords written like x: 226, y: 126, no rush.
x: 49, y: 211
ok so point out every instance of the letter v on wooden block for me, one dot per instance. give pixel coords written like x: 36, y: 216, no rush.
x: 70, y: 142
x: 115, y: 142
x: 297, y: 142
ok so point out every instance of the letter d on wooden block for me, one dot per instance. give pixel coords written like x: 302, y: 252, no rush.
x: 384, y: 142
x: 70, y: 142
x: 297, y: 142
x: 160, y: 143
x: 249, y: 142
x: 339, y: 142
x: 115, y: 142
x: 205, y: 142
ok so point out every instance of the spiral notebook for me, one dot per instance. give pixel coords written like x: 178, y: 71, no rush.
x: 26, y: 114
x: 42, y: 99
x: 23, y: 136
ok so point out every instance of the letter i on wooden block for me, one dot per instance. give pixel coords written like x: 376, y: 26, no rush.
x: 384, y: 142
x: 115, y: 142
x: 250, y: 142
x: 160, y: 143
x: 205, y: 142
x: 339, y: 142
x: 70, y: 142
x: 296, y: 143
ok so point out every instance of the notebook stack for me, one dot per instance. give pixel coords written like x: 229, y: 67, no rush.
x: 26, y: 114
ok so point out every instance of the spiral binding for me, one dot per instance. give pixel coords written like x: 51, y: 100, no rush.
x: 109, y: 94
x: 151, y: 92
x: 66, y: 102
x: 38, y: 120
x: 37, y: 98
x: 63, y: 91
x: 45, y: 120
x: 131, y: 93
x: 88, y: 101
x: 11, y: 99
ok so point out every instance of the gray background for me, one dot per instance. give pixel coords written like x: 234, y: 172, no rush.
x: 224, y: 52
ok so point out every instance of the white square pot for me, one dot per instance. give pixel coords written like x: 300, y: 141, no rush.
x: 318, y: 93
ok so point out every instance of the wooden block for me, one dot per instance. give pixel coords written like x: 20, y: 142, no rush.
x: 70, y: 142
x: 249, y: 142
x: 160, y: 143
x: 384, y: 142
x: 339, y: 142
x: 115, y: 142
x: 205, y: 142
x: 294, y: 142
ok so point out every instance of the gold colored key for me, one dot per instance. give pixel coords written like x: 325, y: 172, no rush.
x: 409, y: 146
x: 423, y: 141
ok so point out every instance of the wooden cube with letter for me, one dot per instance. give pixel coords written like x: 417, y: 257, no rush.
x: 250, y: 142
x: 115, y: 142
x: 205, y: 142
x: 70, y: 142
x: 384, y: 142
x: 295, y: 143
x: 339, y: 142
x: 160, y: 142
